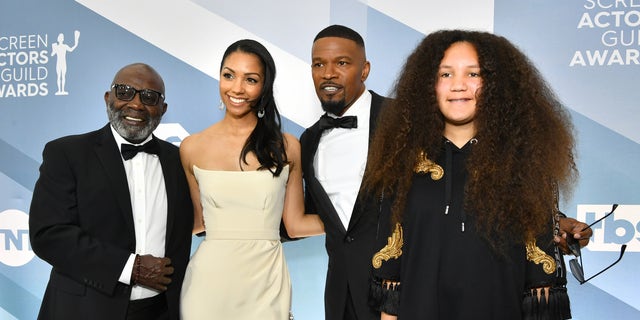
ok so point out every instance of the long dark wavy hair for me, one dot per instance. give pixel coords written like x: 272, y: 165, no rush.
x: 266, y: 140
x: 525, y: 150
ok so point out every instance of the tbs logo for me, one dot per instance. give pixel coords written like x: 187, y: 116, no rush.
x: 621, y: 227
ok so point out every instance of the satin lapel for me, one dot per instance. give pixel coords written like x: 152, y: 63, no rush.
x: 309, y: 144
x: 169, y: 165
x: 321, y: 196
x: 376, y: 104
x: 110, y: 159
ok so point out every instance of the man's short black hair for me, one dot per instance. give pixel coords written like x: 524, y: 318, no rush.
x: 340, y: 31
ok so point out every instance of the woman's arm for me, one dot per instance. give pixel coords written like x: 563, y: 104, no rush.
x: 297, y: 223
x: 187, y: 147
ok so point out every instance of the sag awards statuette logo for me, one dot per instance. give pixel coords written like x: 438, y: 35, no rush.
x: 15, y: 248
x: 60, y: 50
x: 24, y: 64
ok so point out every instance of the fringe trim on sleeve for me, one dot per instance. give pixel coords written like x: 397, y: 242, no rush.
x: 535, y: 307
x: 384, y: 298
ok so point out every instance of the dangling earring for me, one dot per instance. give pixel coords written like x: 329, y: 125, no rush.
x: 260, y: 113
x: 221, y: 105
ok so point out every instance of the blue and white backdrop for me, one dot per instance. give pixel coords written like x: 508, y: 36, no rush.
x: 57, y: 59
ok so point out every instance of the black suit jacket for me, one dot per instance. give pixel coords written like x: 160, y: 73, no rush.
x: 81, y: 222
x: 350, y: 251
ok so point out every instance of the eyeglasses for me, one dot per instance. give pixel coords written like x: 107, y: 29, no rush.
x: 576, y: 267
x: 127, y: 93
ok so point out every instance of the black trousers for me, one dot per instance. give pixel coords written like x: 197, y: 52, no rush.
x: 154, y: 308
x: 349, y: 309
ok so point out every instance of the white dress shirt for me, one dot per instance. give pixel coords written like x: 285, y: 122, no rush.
x: 341, y: 158
x: 149, y: 204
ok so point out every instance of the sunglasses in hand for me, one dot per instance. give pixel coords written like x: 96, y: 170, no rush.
x: 576, y: 267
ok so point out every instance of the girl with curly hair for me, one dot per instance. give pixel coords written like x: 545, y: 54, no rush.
x: 469, y: 160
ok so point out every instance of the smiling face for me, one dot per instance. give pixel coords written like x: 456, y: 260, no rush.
x: 133, y: 120
x: 241, y: 82
x: 339, y: 69
x: 458, y: 86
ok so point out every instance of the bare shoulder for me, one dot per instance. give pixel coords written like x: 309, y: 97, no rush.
x: 292, y: 148
x: 188, y: 143
x: 288, y: 137
x: 193, y: 142
x: 290, y: 141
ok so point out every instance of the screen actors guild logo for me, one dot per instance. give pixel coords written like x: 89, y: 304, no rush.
x: 60, y: 49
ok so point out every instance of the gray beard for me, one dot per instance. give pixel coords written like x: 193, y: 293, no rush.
x: 131, y: 134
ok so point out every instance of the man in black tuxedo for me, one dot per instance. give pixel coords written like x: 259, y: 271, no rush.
x: 113, y: 220
x: 334, y: 156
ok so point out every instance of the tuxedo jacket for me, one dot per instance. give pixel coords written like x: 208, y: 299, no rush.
x: 81, y: 222
x: 349, y: 249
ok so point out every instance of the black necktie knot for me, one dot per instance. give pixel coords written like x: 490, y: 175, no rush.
x: 348, y: 122
x: 129, y: 151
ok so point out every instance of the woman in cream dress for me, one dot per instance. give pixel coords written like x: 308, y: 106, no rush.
x: 245, y: 176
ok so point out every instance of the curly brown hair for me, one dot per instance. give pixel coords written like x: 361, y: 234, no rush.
x: 525, y: 149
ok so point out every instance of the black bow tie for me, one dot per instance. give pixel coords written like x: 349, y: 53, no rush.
x: 129, y: 151
x: 348, y: 122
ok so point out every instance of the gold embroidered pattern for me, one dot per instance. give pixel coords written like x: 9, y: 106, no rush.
x: 393, y: 249
x: 537, y: 256
x: 424, y: 165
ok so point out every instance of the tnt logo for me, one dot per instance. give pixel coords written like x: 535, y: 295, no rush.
x: 623, y: 226
x: 15, y: 248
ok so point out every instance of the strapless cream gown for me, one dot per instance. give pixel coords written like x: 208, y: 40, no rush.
x: 239, y: 271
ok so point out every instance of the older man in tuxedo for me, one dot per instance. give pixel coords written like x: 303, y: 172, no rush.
x: 111, y: 212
